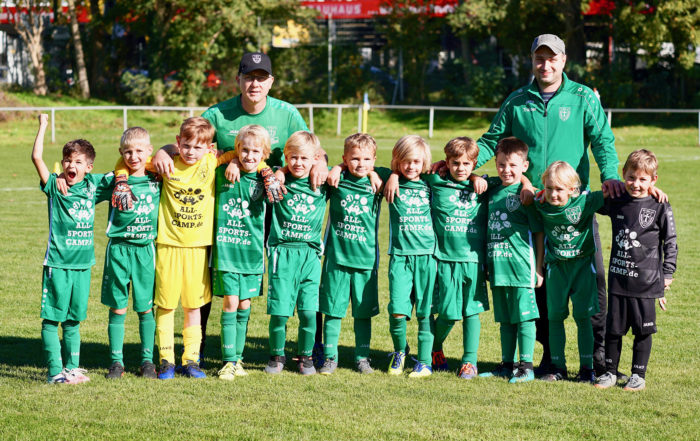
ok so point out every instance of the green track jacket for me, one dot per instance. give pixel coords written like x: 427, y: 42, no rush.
x: 559, y: 131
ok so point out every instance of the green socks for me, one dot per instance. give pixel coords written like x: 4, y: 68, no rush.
x: 585, y: 342
x: 425, y: 341
x: 278, y: 334
x: 331, y: 334
x: 71, y: 343
x: 147, y: 332
x: 471, y: 330
x: 228, y: 335
x: 242, y: 317
x: 397, y: 328
x: 307, y: 332
x: 442, y: 330
x: 115, y: 333
x: 526, y: 340
x: 557, y: 342
x: 509, y: 340
x: 363, y: 335
x: 52, y: 346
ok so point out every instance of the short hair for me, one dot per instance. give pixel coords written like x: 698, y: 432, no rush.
x: 463, y: 145
x: 302, y: 141
x: 80, y: 146
x: 562, y: 173
x: 361, y: 141
x: 134, y: 135
x: 258, y: 134
x: 410, y: 147
x: 512, y: 145
x: 197, y: 128
x: 642, y: 160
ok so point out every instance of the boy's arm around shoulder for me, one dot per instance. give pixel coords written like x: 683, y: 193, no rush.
x: 667, y: 233
x: 38, y: 150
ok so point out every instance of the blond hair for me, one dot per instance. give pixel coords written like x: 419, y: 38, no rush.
x: 463, y: 145
x: 410, y: 147
x: 133, y: 136
x: 562, y: 174
x: 302, y: 141
x: 257, y: 134
x: 198, y: 129
x: 642, y: 160
x: 360, y: 141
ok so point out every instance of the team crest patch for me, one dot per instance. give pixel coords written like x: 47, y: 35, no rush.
x: 573, y: 214
x: 564, y: 113
x: 512, y: 202
x: 257, y: 58
x: 646, y: 217
x: 255, y: 190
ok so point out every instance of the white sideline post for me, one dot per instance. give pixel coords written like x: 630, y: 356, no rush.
x: 53, y: 125
x: 340, y: 117
x: 126, y: 124
x: 311, y: 119
x: 430, y: 123
x: 610, y: 118
x: 359, y: 118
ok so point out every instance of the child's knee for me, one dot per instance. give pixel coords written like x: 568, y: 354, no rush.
x: 120, y: 311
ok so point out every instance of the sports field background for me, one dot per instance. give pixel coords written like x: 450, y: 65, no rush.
x: 345, y: 405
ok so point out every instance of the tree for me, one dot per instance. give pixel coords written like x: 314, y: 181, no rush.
x: 30, y: 20
x: 79, y: 55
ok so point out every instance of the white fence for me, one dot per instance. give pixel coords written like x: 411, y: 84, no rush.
x: 339, y: 110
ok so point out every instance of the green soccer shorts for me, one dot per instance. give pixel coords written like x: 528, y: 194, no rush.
x: 64, y: 294
x: 513, y: 304
x: 461, y: 290
x: 575, y: 279
x: 293, y: 278
x: 128, y: 264
x: 411, y: 282
x: 341, y: 284
x: 226, y: 283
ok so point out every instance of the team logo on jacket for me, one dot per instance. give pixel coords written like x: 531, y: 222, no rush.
x: 512, y: 202
x: 573, y: 214
x: 564, y: 113
x: 646, y: 217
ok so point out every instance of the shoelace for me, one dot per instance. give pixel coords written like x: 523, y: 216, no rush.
x: 396, y: 361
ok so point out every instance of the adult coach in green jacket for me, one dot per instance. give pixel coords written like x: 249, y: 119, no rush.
x: 559, y: 119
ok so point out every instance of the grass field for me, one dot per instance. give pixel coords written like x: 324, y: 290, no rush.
x: 345, y: 405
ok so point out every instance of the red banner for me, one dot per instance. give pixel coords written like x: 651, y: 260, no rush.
x: 9, y: 14
x: 357, y: 9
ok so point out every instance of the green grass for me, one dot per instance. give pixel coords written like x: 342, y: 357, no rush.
x: 345, y: 405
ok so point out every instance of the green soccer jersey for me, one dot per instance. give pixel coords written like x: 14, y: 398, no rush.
x: 459, y: 218
x: 569, y: 228
x: 510, y: 243
x: 298, y: 219
x: 71, y: 221
x: 410, y: 224
x: 279, y: 118
x: 353, y: 221
x: 138, y: 225
x: 239, y: 224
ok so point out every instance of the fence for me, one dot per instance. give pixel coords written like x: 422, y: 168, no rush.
x: 339, y: 109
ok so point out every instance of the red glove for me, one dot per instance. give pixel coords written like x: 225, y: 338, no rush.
x: 273, y: 187
x: 122, y: 196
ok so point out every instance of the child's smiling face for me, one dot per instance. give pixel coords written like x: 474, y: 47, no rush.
x: 411, y: 168
x: 250, y: 154
x: 511, y: 168
x: 359, y: 161
x: 75, y: 167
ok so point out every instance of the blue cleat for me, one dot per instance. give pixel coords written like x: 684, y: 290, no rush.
x: 167, y: 370
x: 503, y: 370
x: 421, y: 370
x: 192, y: 370
x: 522, y: 375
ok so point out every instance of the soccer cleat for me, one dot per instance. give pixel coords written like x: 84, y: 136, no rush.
x: 502, y: 371
x: 305, y: 364
x: 59, y: 378
x: 238, y: 369
x: 398, y: 359
x: 635, y: 383
x: 192, y: 370
x: 522, y: 375
x: 557, y: 374
x: 606, y: 381
x: 276, y: 364
x: 148, y: 370
x: 76, y: 376
x: 328, y: 366
x: 317, y: 354
x: 363, y: 366
x: 543, y: 369
x: 167, y: 370
x: 228, y: 372
x: 467, y: 371
x: 622, y: 378
x: 586, y: 375
x: 421, y: 370
x: 439, y: 362
x: 115, y: 372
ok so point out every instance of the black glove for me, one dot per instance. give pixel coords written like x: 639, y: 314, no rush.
x: 273, y: 187
x: 122, y: 196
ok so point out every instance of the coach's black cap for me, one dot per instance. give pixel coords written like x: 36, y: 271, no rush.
x: 255, y: 61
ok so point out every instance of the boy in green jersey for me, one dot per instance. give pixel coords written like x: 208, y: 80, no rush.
x: 459, y: 210
x: 238, y: 253
x: 352, y: 256
x: 515, y: 252
x: 130, y: 255
x: 69, y: 254
x: 567, y: 219
x: 294, y: 249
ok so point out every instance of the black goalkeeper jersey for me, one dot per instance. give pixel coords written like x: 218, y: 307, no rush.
x: 644, y: 246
